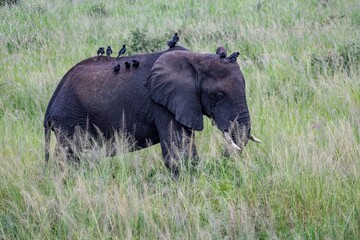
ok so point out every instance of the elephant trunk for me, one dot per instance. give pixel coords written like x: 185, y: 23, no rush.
x: 238, y: 135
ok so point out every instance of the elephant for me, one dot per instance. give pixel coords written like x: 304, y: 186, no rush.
x: 161, y: 100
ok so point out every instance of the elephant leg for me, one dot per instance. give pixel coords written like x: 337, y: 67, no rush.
x: 177, y: 145
x: 65, y: 147
x: 188, y: 147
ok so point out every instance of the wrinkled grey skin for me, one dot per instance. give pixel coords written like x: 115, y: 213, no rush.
x: 161, y: 101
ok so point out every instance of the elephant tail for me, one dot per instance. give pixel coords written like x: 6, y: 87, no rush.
x: 47, y: 131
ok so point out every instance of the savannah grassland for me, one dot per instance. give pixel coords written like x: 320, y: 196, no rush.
x: 301, y: 61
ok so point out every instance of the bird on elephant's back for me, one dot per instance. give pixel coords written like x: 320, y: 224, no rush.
x: 160, y: 100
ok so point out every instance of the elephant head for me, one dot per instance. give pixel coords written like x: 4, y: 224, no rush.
x: 191, y: 85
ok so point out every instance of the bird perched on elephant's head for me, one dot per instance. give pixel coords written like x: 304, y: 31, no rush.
x: 108, y: 52
x: 221, y: 52
x: 136, y: 63
x: 172, y: 43
x: 100, y: 51
x: 116, y: 67
x: 122, y: 51
x: 233, y: 57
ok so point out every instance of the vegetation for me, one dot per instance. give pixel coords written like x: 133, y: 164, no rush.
x: 301, y: 62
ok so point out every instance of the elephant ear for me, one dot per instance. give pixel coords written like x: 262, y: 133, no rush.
x: 172, y: 83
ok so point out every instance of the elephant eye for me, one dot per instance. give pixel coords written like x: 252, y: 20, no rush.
x: 217, y: 96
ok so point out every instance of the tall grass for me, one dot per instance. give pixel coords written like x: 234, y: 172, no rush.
x: 301, y: 63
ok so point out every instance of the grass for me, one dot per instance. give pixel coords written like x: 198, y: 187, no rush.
x: 301, y: 62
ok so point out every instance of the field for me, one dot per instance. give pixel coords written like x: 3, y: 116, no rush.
x: 301, y: 62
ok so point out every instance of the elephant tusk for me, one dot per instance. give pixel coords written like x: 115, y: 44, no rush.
x: 255, y: 139
x: 230, y: 142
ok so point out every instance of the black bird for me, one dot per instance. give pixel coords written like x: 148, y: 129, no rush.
x: 100, y: 51
x: 108, y: 52
x: 175, y: 38
x: 116, y: 67
x: 232, y: 58
x: 136, y: 63
x: 172, y: 43
x: 221, y: 52
x: 122, y: 51
x: 127, y: 65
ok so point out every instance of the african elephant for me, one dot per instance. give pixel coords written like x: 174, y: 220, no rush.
x: 160, y: 100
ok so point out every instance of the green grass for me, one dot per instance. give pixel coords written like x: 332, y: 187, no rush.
x: 302, y: 67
